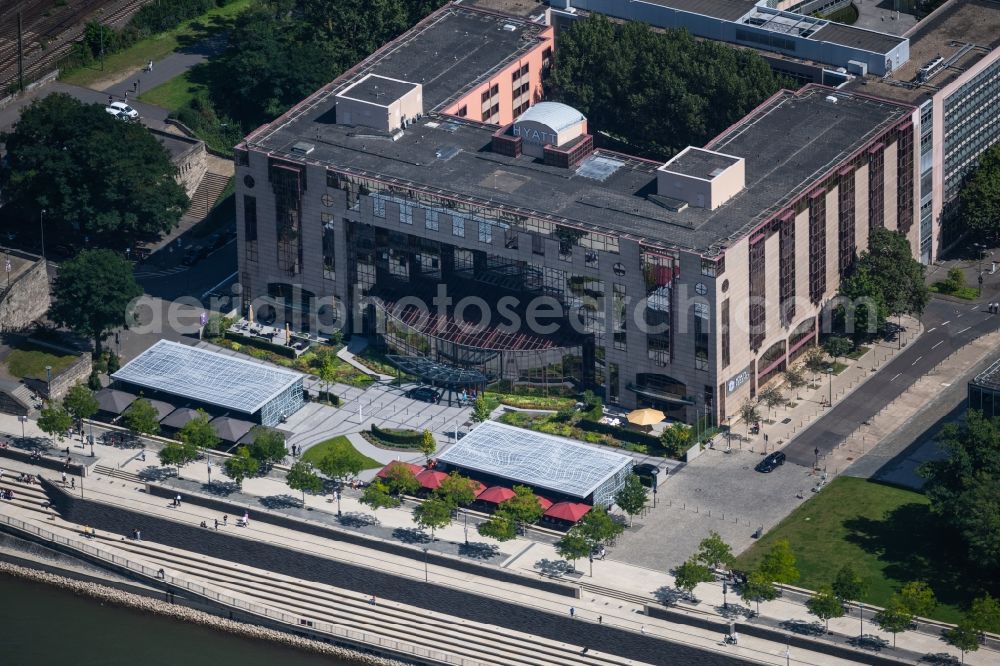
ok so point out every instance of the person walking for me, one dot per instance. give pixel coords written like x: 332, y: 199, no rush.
x: 216, y: 523
x: 225, y: 520
x: 72, y: 483
x: 149, y: 67
x: 178, y: 500
x: 64, y: 479
x: 572, y: 612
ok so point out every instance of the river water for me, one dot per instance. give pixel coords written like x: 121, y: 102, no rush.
x: 42, y: 625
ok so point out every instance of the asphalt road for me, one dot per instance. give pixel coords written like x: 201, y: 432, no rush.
x: 948, y: 326
x: 167, y: 278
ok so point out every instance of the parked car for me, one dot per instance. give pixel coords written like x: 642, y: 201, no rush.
x: 195, y: 254
x: 647, y: 473
x: 116, y: 113
x: 771, y: 462
x: 424, y: 394
x: 122, y: 107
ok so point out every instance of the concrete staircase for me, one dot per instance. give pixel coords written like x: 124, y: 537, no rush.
x: 111, y: 472
x: 470, y: 642
x: 209, y: 189
x: 29, y: 496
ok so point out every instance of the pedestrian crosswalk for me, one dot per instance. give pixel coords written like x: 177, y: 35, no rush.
x: 141, y: 273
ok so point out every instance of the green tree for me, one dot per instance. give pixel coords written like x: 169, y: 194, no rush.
x: 142, y: 418
x: 128, y: 194
x: 757, y: 588
x: 481, y: 409
x: 984, y: 614
x: 523, y: 508
x: 825, y: 605
x: 682, y: 91
x: 837, y: 346
x: 690, y: 573
x: 500, y: 526
x: 93, y: 294
x: 177, y: 454
x: 574, y: 545
x: 895, y: 617
x: 965, y: 637
x: 268, y: 446
x: 848, y: 584
x: 94, y: 380
x: 715, y: 553
x: 457, y: 490
x: 303, y: 477
x: 199, y: 433
x: 795, y: 379
x: 54, y: 421
x: 343, y: 462
x: 979, y: 199
x: 80, y: 403
x: 241, y: 466
x: 779, y: 563
x: 884, y: 281
x: 401, y: 480
x: 918, y: 597
x: 749, y: 413
x: 434, y: 514
x: 376, y: 496
x: 676, y: 439
x: 632, y: 497
x: 771, y: 397
x: 599, y: 527
x: 964, y: 486
x: 327, y: 372
x: 427, y: 443
x: 815, y: 361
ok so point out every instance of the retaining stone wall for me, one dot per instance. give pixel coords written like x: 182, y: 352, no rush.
x: 434, y: 597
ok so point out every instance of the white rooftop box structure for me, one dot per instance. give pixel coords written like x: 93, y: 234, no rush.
x: 703, y: 178
x: 380, y: 102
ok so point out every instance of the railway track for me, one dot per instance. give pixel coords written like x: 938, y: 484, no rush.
x: 59, y: 32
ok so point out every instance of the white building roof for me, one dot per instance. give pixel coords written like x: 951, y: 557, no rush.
x: 207, y: 376
x: 536, y: 459
x: 555, y: 115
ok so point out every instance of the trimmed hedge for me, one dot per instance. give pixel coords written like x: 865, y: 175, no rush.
x: 260, y: 343
x: 405, y: 438
x: 619, y: 433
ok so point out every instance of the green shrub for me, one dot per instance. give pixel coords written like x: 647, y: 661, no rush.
x: 398, y: 437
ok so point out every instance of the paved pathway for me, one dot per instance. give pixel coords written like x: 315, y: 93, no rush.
x: 166, y: 69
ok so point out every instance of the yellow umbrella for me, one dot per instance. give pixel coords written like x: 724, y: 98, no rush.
x: 645, y: 416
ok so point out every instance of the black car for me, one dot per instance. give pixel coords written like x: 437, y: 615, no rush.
x: 771, y: 462
x: 424, y: 394
x: 647, y: 473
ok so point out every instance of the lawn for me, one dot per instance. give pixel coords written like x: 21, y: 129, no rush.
x: 31, y: 362
x: 967, y: 293
x: 888, y: 534
x: 554, y: 403
x: 159, y: 46
x: 175, y: 93
x: 338, y: 444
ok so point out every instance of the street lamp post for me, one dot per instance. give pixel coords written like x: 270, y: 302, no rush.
x: 208, y: 456
x: 338, y: 502
x: 829, y: 374
x: 465, y: 513
x: 427, y: 576
x: 816, y: 453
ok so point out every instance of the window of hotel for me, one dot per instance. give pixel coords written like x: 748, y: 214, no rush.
x: 817, y: 246
x: 845, y: 222
x: 287, y: 184
x: 458, y: 226
x: 786, y: 269
x: 658, y: 274
x: 406, y: 212
x: 329, y: 236
x: 250, y: 227
x: 378, y: 207
x: 614, y: 373
x: 485, y: 232
x: 431, y: 219
x: 463, y: 111
x: 876, y: 187
x: 701, y: 328
x: 495, y: 110
x: 904, y: 179
x: 494, y: 90
x: 708, y: 267
x: 464, y: 260
x: 486, y: 116
x: 486, y: 96
x: 724, y: 315
x: 619, y: 314
x: 758, y: 292
x: 515, y: 76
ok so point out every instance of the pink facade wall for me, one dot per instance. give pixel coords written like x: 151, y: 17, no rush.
x: 503, y: 79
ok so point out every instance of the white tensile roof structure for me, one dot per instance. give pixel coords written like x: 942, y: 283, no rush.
x: 209, y: 377
x: 545, y: 462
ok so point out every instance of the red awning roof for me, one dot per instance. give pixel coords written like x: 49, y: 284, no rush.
x: 431, y: 478
x: 545, y: 502
x: 416, y: 469
x: 569, y: 511
x: 496, y: 495
x: 477, y: 488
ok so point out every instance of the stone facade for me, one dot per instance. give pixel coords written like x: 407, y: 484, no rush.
x: 28, y: 297
x: 188, y: 155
